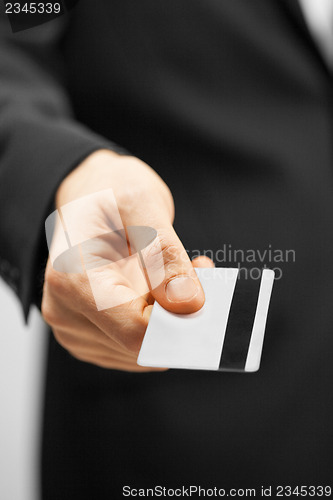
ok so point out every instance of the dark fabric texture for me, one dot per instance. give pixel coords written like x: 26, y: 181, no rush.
x: 231, y: 103
x: 40, y: 143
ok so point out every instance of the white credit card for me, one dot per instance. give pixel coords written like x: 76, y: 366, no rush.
x: 227, y: 334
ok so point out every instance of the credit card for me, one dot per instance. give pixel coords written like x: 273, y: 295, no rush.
x: 227, y: 333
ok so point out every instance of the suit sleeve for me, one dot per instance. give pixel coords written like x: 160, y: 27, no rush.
x: 40, y: 143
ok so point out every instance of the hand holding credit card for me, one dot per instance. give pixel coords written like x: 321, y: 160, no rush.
x: 226, y: 334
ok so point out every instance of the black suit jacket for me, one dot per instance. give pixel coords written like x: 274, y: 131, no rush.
x: 231, y: 103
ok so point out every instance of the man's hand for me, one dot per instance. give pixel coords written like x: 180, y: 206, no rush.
x: 112, y: 337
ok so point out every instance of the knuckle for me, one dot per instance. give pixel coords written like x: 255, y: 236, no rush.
x: 160, y: 253
x: 104, y: 362
x: 170, y: 254
x: 48, y: 312
x: 101, y: 361
x: 69, y: 342
x: 68, y: 292
x: 54, y: 281
x: 62, y: 338
x: 80, y: 356
x: 130, y: 196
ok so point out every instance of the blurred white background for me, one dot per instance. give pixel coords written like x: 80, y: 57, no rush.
x: 22, y: 358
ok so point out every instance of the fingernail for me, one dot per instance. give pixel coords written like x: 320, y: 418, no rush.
x: 181, y: 289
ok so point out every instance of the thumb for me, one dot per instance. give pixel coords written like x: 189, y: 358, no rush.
x: 169, y: 271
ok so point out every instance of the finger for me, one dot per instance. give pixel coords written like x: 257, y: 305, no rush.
x: 74, y: 337
x: 202, y: 261
x: 123, y: 319
x: 114, y: 361
x: 89, y: 347
x: 126, y: 323
x: 108, y: 328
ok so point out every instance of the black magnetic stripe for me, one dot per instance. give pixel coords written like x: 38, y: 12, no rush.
x: 240, y: 321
